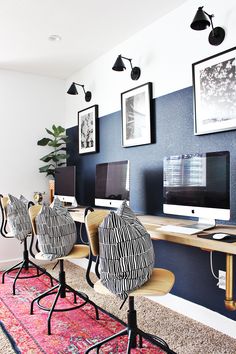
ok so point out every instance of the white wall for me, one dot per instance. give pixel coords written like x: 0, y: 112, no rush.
x: 164, y: 51
x: 29, y: 103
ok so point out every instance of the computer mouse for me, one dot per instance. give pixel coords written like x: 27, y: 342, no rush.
x: 219, y: 236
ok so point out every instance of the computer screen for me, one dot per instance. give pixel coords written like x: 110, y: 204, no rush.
x: 198, y: 185
x: 112, y: 183
x: 65, y: 184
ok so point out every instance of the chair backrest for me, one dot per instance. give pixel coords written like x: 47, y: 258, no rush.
x: 34, y: 210
x: 3, y: 227
x: 4, y: 202
x: 92, y: 221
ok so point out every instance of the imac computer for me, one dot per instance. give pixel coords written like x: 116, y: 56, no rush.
x: 112, y: 183
x: 198, y: 185
x: 65, y: 185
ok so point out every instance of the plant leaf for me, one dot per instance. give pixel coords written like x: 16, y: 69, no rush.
x: 54, y: 143
x: 49, y: 132
x: 44, y: 168
x: 51, y: 173
x: 46, y: 158
x: 60, y: 129
x: 59, y: 157
x: 44, y: 141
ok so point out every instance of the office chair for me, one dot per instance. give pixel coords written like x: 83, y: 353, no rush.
x: 160, y: 283
x: 23, y: 266
x: 78, y: 251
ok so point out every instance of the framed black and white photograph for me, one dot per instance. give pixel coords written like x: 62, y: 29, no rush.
x: 87, y: 125
x: 214, y: 85
x: 136, y: 115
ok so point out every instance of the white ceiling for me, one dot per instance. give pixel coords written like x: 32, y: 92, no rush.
x: 88, y: 29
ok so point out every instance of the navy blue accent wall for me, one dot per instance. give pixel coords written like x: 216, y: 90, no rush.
x: 173, y: 135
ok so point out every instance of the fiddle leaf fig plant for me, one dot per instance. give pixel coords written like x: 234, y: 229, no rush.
x: 57, y: 157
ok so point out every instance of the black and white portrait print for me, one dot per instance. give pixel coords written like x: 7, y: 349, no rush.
x: 87, y: 129
x: 136, y: 115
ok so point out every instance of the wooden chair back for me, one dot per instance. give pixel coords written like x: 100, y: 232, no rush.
x: 4, y: 202
x: 34, y: 210
x: 92, y: 221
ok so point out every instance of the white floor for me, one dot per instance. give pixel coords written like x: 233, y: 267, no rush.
x: 189, y: 309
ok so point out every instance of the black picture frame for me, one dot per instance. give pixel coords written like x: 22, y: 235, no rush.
x: 136, y: 115
x: 88, y: 130
x: 214, y: 94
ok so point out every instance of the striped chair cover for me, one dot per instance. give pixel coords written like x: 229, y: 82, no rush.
x: 56, y: 231
x: 18, y: 218
x: 126, y: 252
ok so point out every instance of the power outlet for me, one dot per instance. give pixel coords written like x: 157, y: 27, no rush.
x: 222, y: 279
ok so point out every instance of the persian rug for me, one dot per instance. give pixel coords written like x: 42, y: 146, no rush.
x: 72, y: 332
x: 7, y: 343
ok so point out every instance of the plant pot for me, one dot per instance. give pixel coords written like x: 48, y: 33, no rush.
x: 51, y: 190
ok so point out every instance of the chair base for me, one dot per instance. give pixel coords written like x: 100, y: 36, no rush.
x: 132, y: 331
x: 26, y: 264
x: 60, y: 290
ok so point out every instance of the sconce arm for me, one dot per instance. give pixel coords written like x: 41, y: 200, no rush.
x: 210, y: 17
x: 80, y: 86
x: 130, y: 61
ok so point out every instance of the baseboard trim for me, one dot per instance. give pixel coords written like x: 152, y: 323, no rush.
x: 187, y: 308
x: 8, y: 263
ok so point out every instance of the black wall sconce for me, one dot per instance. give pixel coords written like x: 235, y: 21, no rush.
x: 120, y: 66
x: 201, y: 22
x: 73, y: 91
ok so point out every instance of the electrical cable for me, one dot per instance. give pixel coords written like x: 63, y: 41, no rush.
x: 211, y: 265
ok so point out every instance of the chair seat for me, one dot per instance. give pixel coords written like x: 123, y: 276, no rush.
x: 78, y: 251
x: 160, y: 283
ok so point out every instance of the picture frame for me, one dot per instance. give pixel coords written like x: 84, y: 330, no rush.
x: 214, y: 94
x: 88, y: 130
x: 136, y: 115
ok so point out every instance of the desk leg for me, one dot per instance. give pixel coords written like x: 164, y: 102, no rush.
x: 230, y: 304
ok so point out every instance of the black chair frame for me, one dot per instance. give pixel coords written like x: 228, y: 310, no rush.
x: 26, y: 263
x: 60, y: 290
x: 131, y: 330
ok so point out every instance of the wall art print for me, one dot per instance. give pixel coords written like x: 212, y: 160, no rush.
x: 88, y: 127
x: 136, y: 115
x: 214, y: 85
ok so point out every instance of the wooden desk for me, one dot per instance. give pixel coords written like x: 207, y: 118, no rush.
x: 152, y: 223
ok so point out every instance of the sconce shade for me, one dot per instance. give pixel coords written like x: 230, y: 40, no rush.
x: 200, y: 21
x: 72, y: 90
x: 119, y: 64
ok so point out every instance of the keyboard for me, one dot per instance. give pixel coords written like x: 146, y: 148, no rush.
x: 179, y: 229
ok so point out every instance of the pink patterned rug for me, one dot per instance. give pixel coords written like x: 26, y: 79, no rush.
x: 72, y: 332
